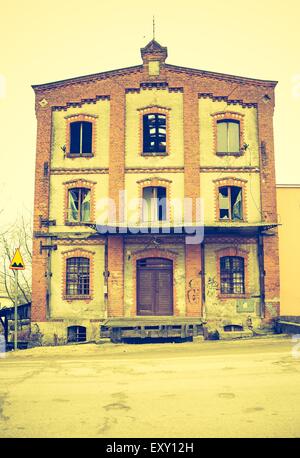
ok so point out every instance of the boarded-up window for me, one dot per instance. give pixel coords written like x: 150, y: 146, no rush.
x: 230, y: 203
x: 154, y: 203
x: 232, y: 275
x: 78, y: 276
x: 154, y: 133
x: 228, y: 133
x: 81, y: 137
x: 79, y: 205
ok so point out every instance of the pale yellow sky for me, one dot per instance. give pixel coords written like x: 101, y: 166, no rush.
x: 43, y: 41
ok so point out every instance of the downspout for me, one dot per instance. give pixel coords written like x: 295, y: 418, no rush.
x: 203, y: 311
x: 260, y: 252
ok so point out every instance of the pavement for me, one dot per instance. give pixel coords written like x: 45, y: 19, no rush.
x: 244, y: 388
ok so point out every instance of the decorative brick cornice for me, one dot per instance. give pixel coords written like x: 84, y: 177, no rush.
x: 224, y: 98
x: 80, y: 103
x: 230, y: 181
x: 153, y: 253
x: 77, y: 253
x: 154, y: 170
x: 77, y: 171
x: 79, y: 183
x: 233, y: 251
x: 230, y: 169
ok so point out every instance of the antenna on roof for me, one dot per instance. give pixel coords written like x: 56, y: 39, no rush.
x: 153, y: 24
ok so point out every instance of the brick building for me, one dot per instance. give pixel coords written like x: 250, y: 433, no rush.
x: 151, y: 139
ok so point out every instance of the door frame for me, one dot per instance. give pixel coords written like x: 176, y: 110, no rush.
x: 152, y: 253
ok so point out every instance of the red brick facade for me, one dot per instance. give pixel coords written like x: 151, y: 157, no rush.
x: 114, y: 85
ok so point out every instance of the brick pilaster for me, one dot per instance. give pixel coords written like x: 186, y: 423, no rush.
x: 41, y: 209
x: 269, y: 208
x: 116, y: 276
x: 192, y: 190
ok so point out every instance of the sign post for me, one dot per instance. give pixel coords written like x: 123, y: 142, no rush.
x: 16, y: 264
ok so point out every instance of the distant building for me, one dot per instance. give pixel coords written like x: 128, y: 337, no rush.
x: 161, y: 133
x: 288, y: 198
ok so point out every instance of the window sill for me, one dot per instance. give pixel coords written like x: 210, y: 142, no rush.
x: 225, y: 153
x: 78, y: 298
x: 233, y: 296
x: 83, y: 155
x: 154, y: 154
x: 78, y: 223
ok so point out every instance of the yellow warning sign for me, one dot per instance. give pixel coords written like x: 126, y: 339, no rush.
x: 17, y: 262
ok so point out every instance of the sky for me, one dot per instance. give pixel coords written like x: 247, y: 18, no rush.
x: 44, y: 41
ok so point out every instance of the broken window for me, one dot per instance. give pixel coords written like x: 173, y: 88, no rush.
x: 232, y: 275
x: 81, y: 137
x: 79, y: 206
x: 76, y: 334
x: 154, y: 133
x: 154, y: 203
x: 228, y: 133
x: 78, y: 277
x: 230, y: 203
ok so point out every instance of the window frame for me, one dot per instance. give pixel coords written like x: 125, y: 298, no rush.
x: 233, y: 252
x: 225, y: 182
x: 79, y: 183
x: 229, y: 273
x: 155, y: 209
x: 77, y: 253
x: 92, y: 119
x: 228, y: 116
x: 230, y: 207
x: 81, y: 198
x: 154, y: 110
x: 80, y: 262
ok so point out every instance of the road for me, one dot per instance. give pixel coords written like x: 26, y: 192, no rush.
x: 248, y: 388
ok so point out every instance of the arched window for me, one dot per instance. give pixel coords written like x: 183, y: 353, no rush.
x: 230, y: 203
x: 76, y: 334
x: 79, y: 205
x: 78, y: 276
x: 232, y: 273
x: 154, y: 203
x: 154, y: 133
x: 228, y: 136
x: 81, y: 137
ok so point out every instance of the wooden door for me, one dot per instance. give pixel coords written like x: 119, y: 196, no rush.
x: 154, y: 287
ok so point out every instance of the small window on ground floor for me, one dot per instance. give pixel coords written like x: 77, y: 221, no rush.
x: 233, y: 327
x: 76, y: 334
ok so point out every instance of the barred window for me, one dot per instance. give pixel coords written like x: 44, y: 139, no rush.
x: 76, y: 334
x: 78, y: 277
x: 154, y: 133
x: 81, y: 137
x: 232, y: 275
x: 228, y: 136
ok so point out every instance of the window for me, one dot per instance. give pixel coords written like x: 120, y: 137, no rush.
x: 78, y: 277
x: 230, y: 203
x: 232, y: 275
x: 79, y: 205
x: 154, y: 203
x: 154, y: 133
x: 76, y: 334
x: 81, y: 138
x: 228, y: 134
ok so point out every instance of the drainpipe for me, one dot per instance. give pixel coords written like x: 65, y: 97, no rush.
x: 203, y: 311
x: 260, y: 252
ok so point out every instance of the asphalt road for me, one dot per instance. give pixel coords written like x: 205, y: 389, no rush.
x: 246, y: 388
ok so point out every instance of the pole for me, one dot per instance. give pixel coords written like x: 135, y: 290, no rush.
x: 16, y: 311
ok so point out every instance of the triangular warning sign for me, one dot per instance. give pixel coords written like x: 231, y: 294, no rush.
x: 17, y: 262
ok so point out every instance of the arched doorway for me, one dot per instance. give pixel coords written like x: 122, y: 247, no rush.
x: 154, y: 287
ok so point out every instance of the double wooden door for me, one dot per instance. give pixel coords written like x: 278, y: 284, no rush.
x: 154, y: 287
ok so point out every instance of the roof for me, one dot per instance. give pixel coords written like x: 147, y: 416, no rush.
x: 153, y: 47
